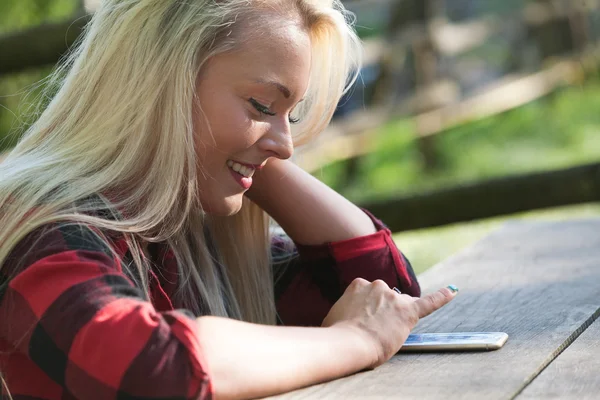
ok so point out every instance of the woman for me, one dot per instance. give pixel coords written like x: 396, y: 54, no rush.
x: 135, y: 245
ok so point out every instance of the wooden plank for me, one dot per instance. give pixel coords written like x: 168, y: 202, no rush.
x: 574, y: 374
x: 489, y: 198
x: 538, y: 282
x: 516, y: 92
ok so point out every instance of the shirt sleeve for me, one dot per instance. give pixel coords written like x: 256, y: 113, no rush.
x: 80, y: 328
x: 310, y: 279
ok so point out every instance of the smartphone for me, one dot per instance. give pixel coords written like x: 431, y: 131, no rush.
x: 455, y: 341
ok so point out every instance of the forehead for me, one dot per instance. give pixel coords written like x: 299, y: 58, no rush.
x: 279, y: 51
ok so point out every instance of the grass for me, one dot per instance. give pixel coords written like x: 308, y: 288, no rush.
x: 558, y: 131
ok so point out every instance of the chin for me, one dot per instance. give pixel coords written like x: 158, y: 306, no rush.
x: 224, y: 208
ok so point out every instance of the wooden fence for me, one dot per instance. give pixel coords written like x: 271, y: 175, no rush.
x: 353, y: 136
x: 491, y: 198
x: 435, y: 105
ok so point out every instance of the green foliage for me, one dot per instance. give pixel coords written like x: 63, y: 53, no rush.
x: 555, y: 132
x: 17, y: 92
x: 18, y: 14
x: 19, y: 100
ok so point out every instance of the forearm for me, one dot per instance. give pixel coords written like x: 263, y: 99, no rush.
x: 308, y: 210
x: 248, y: 360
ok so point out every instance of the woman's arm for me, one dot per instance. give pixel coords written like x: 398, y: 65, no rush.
x: 309, y: 211
x: 364, y: 329
x: 248, y: 360
x: 74, y: 313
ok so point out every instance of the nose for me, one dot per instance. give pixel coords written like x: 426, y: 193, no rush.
x: 277, y: 141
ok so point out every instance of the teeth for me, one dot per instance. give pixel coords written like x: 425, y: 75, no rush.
x: 240, y: 169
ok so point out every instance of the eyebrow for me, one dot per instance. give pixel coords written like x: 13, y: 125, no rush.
x: 285, y: 91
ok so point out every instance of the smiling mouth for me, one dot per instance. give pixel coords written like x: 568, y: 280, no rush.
x: 243, y: 170
x: 242, y: 174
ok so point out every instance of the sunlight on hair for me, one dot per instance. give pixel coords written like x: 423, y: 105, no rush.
x: 120, y: 125
x: 4, y: 391
x: 91, y: 5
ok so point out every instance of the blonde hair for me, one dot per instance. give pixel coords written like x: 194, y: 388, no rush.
x: 120, y: 125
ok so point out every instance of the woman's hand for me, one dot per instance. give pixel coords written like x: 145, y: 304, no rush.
x: 365, y: 328
x: 381, y: 316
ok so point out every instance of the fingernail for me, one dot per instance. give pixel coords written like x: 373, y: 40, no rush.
x: 453, y: 288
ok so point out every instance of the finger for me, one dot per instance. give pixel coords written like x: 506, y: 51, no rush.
x: 432, y: 302
x: 358, y: 283
x: 379, y: 285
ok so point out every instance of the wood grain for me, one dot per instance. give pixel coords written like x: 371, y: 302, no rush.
x: 574, y: 374
x: 538, y: 282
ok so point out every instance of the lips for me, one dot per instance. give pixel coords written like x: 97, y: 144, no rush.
x: 245, y: 170
x: 242, y: 173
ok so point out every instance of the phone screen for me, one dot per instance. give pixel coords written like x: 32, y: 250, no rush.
x: 455, y: 341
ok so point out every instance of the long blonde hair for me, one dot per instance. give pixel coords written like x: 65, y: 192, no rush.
x: 120, y: 125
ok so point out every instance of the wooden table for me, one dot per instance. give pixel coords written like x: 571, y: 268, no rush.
x: 537, y: 281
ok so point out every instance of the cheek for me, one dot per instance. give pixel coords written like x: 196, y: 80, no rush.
x: 231, y: 128
x: 236, y: 129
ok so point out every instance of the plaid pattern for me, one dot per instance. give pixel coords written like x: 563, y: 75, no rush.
x: 75, y: 325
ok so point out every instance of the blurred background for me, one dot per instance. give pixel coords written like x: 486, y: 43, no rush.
x: 467, y: 113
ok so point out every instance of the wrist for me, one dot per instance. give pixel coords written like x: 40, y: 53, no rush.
x: 359, y: 343
x: 265, y: 181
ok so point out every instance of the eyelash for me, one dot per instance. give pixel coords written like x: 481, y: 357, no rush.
x: 265, y: 110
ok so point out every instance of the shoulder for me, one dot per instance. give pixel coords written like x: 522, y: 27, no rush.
x: 58, y: 238
x: 68, y: 236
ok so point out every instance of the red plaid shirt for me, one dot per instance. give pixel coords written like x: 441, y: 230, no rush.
x: 74, y: 325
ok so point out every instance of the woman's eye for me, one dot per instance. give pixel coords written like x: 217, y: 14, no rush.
x: 260, y: 107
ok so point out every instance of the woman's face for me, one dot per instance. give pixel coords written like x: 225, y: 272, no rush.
x: 248, y: 96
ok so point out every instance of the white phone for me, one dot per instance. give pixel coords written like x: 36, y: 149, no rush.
x: 455, y: 341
